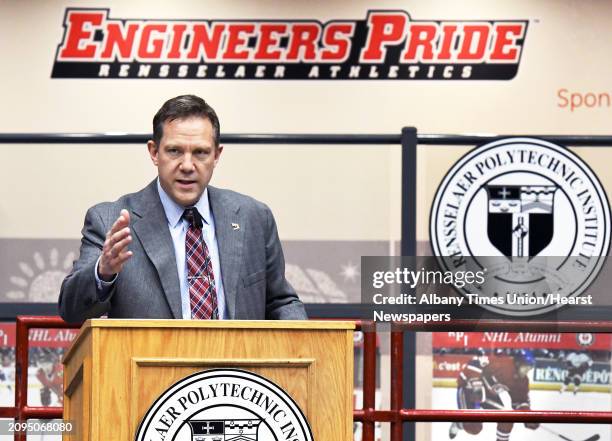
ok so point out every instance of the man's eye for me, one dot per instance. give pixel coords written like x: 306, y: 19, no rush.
x: 172, y: 151
x: 200, y: 154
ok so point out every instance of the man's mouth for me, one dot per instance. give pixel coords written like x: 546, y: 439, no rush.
x: 185, y: 182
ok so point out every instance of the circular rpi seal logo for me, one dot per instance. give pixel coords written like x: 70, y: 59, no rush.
x: 224, y: 405
x: 528, y: 212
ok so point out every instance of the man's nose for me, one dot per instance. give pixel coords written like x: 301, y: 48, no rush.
x: 187, y: 163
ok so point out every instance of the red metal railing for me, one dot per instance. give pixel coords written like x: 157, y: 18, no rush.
x: 21, y: 411
x: 368, y: 415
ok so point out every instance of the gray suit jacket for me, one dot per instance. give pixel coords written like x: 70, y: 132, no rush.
x: 252, y: 262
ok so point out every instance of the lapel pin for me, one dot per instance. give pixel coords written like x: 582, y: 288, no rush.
x: 235, y: 227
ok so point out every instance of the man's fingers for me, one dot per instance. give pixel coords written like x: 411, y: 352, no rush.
x: 126, y: 215
x: 114, y: 264
x: 114, y: 250
x: 121, y: 259
x: 120, y: 245
x: 118, y: 236
x: 122, y: 221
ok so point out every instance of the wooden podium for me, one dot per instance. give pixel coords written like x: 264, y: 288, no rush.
x: 115, y: 369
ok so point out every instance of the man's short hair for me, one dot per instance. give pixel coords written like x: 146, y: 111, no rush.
x: 183, y: 107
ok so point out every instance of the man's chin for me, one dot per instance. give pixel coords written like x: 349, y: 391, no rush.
x: 186, y: 199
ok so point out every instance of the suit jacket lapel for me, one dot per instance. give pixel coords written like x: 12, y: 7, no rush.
x: 152, y: 230
x: 229, y: 229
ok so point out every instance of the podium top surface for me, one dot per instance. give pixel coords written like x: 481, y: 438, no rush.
x: 216, y: 324
x: 297, y: 325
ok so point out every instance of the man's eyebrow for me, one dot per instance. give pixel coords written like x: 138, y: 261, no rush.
x: 195, y: 147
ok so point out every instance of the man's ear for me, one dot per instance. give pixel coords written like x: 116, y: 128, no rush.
x: 218, y: 151
x: 153, y: 151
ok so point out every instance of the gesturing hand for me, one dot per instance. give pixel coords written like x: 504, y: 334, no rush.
x: 114, y: 251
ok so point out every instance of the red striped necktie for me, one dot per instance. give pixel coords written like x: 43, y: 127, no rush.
x: 200, y: 277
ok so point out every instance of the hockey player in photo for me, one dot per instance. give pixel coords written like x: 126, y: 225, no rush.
x: 50, y: 374
x: 7, y: 371
x: 576, y: 363
x: 498, y: 382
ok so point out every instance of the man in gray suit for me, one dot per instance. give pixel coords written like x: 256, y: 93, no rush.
x: 140, y: 257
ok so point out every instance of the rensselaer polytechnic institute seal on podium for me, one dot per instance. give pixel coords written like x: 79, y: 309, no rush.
x: 533, y: 214
x: 224, y: 405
